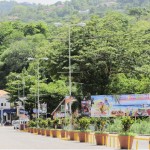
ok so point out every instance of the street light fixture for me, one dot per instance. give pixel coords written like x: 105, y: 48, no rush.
x: 38, y: 92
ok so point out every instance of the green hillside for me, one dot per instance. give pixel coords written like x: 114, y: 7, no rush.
x: 65, y: 11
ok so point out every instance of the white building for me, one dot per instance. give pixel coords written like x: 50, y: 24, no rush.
x: 5, y: 108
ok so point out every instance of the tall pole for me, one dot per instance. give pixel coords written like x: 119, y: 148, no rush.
x: 38, y: 97
x: 24, y: 99
x: 70, y: 84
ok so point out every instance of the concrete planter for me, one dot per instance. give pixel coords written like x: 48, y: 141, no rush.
x: 101, y: 138
x: 125, y: 141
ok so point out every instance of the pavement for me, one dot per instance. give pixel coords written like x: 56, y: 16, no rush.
x: 16, y: 139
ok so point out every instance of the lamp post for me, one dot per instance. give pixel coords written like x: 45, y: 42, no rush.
x: 23, y: 98
x: 38, y: 91
x: 81, y: 24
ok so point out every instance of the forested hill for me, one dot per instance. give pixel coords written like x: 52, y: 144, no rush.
x: 26, y: 12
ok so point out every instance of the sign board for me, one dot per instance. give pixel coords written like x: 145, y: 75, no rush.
x: 86, y: 108
x: 120, y: 105
x: 42, y: 110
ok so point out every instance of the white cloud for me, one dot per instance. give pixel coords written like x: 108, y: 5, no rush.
x: 38, y: 1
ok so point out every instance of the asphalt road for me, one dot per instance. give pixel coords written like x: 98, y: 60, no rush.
x: 15, y: 139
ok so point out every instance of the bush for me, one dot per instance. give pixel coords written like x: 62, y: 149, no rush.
x: 49, y: 123
x: 126, y: 123
x: 84, y: 123
x: 32, y: 123
x: 115, y: 126
x: 101, y: 124
x: 141, y: 127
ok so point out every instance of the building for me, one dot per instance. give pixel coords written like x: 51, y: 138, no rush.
x: 6, y: 112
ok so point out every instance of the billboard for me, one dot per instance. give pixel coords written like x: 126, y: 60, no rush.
x: 86, y: 108
x: 42, y: 109
x: 120, y: 105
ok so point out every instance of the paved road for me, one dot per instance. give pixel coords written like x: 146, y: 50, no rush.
x: 15, y: 139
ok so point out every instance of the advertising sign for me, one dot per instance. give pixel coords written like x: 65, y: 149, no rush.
x: 86, y: 108
x: 120, y: 105
x: 43, y: 108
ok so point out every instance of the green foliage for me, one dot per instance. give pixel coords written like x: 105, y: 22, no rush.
x: 49, y: 123
x: 93, y: 120
x: 32, y: 123
x: 101, y: 124
x: 110, y: 55
x: 55, y: 122
x: 116, y: 126
x: 84, y: 123
x: 126, y: 123
x: 141, y: 127
x: 43, y: 124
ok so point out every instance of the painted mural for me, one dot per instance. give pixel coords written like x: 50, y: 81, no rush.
x: 120, y: 105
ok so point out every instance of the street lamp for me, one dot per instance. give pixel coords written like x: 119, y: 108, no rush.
x: 38, y: 92
x: 23, y: 98
x: 81, y: 24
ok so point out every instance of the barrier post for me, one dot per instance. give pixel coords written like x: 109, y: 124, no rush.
x: 118, y: 145
x: 110, y: 141
x: 106, y: 141
x: 149, y: 143
x: 128, y: 142
x: 114, y: 141
x: 102, y: 140
x: 137, y: 144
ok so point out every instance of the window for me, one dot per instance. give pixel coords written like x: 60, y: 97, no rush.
x: 1, y: 104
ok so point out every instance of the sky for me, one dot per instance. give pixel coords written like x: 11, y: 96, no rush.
x: 45, y: 2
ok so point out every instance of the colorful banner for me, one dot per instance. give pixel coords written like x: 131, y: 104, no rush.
x: 86, y: 108
x: 120, y: 105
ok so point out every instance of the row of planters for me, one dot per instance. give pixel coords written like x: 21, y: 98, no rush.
x: 78, y: 129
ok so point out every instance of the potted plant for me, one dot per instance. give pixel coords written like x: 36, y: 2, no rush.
x: 32, y: 125
x: 126, y: 137
x: 55, y: 123
x: 65, y: 122
x: 39, y: 125
x: 49, y: 126
x: 101, y: 135
x: 83, y: 126
x: 43, y: 125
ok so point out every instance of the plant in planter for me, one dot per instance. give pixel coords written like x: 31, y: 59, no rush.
x: 126, y: 137
x: 101, y: 135
x: 49, y: 126
x: 32, y: 124
x: 43, y: 125
x: 83, y: 126
x: 39, y: 125
x: 65, y: 122
x: 55, y: 123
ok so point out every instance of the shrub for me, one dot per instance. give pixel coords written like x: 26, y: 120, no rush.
x: 126, y: 122
x: 101, y: 124
x: 115, y: 126
x: 84, y: 123
x: 32, y: 123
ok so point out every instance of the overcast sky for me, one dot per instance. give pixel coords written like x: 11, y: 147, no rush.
x: 37, y: 1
